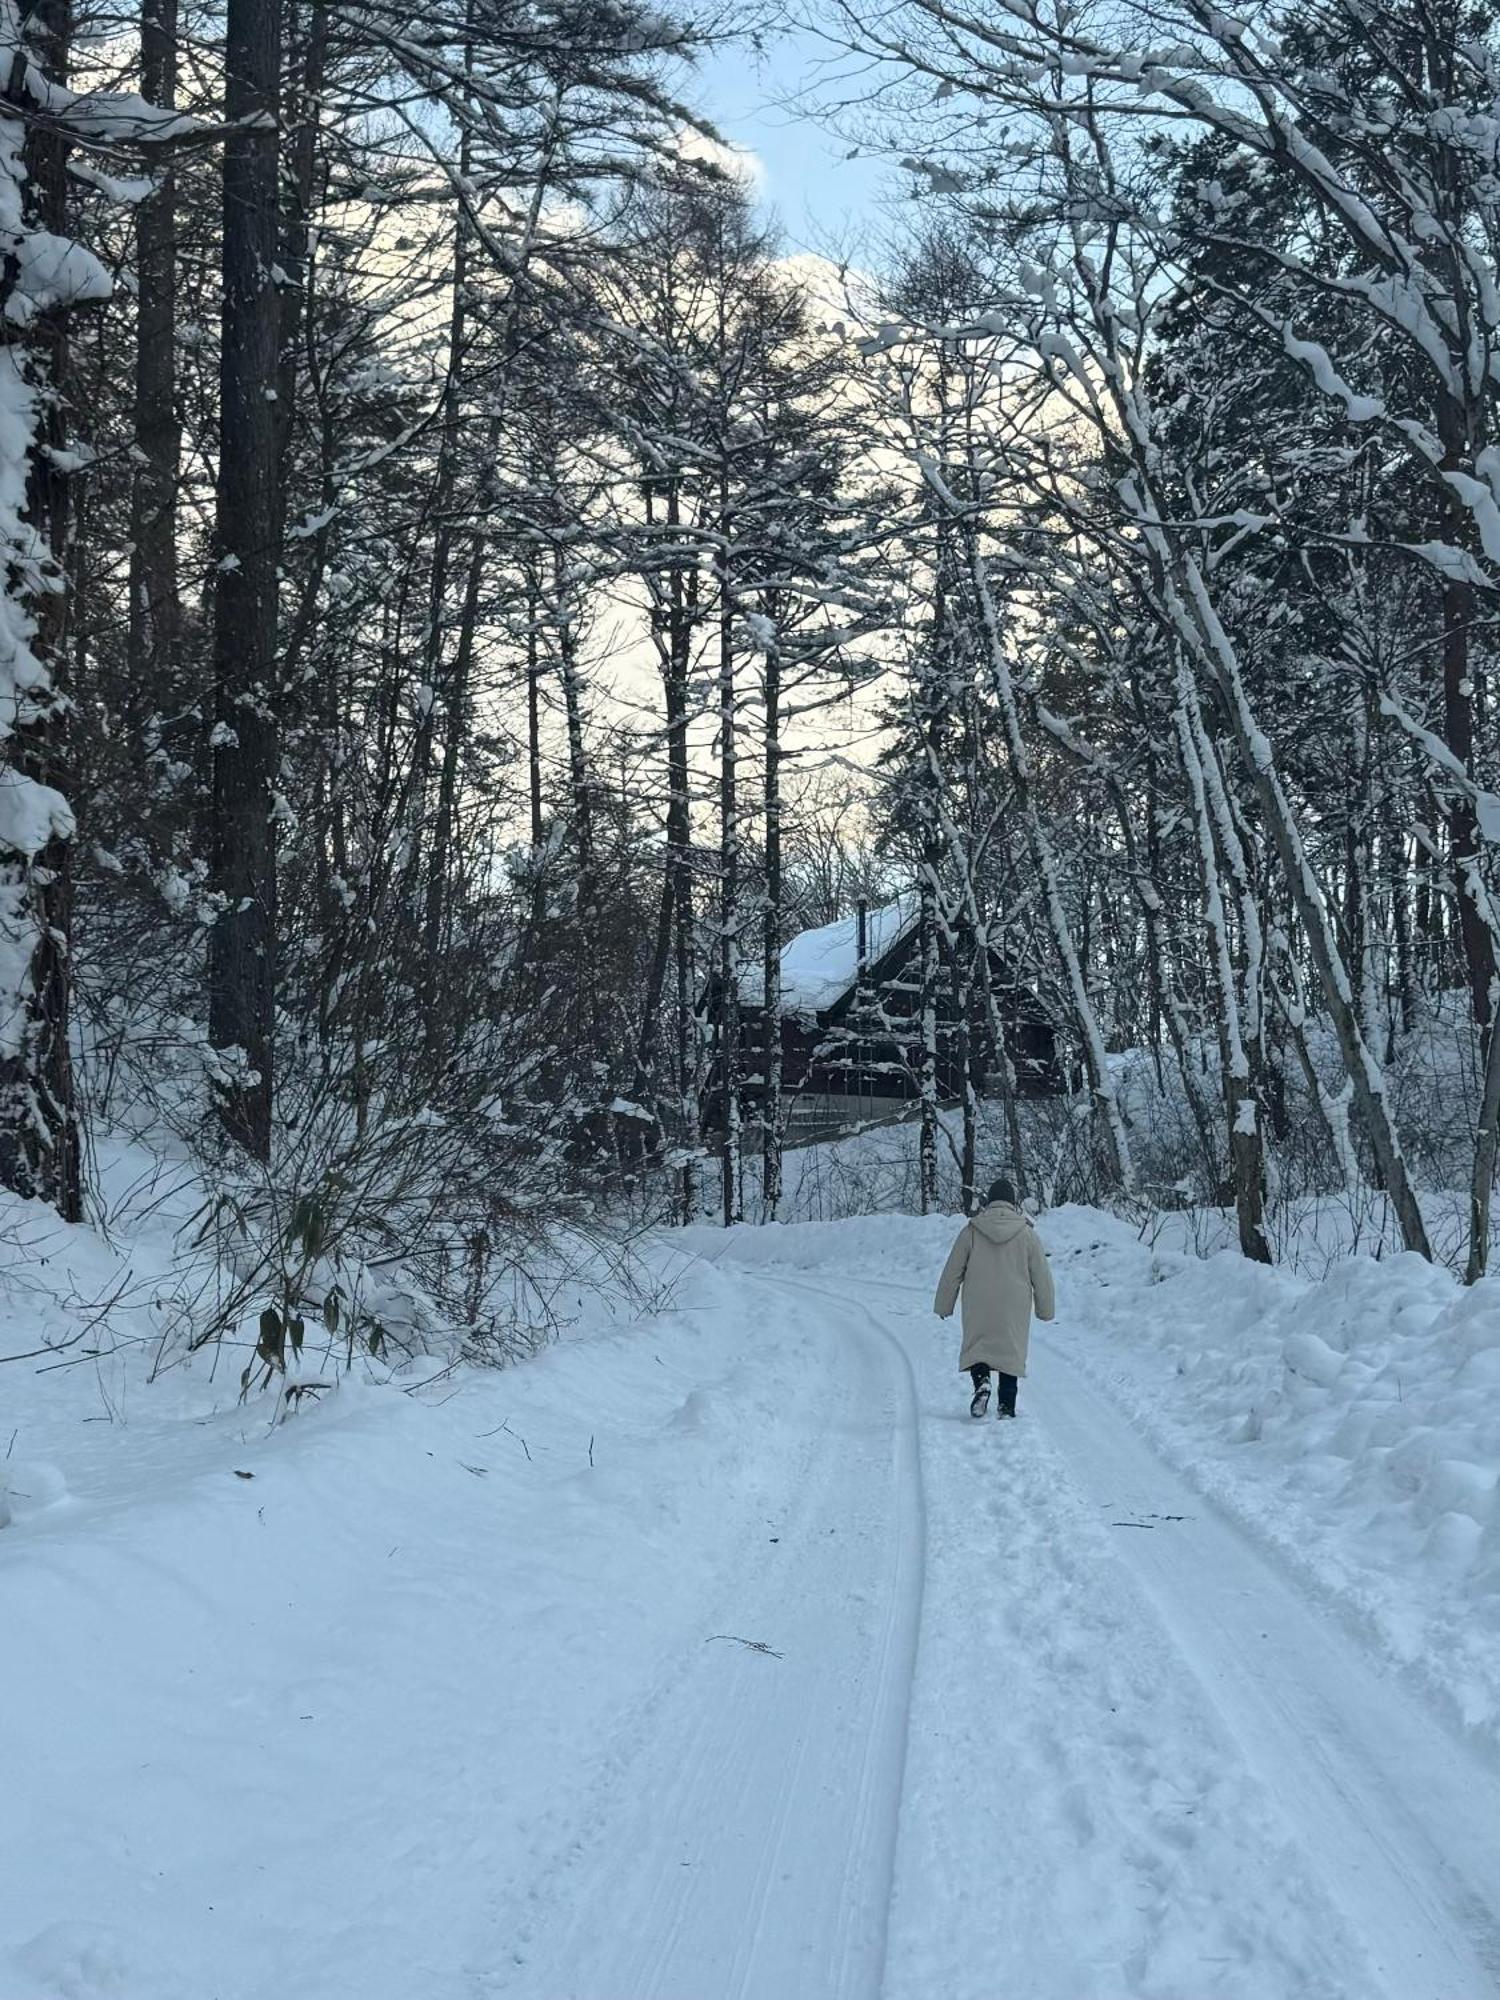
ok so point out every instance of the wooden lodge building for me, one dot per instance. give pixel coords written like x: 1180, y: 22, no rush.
x: 850, y: 1028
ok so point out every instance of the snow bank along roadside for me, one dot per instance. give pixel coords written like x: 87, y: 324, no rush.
x: 298, y: 1707
x: 1353, y: 1423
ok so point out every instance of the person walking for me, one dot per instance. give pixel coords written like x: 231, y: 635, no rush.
x: 1001, y: 1269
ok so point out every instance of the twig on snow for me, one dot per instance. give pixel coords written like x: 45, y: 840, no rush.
x: 750, y: 1645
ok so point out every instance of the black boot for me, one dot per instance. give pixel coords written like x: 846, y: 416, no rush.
x: 979, y: 1375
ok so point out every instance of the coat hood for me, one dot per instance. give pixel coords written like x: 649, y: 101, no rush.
x: 1000, y: 1222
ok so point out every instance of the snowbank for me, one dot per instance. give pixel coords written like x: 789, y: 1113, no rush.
x: 1353, y: 1421
x: 248, y: 1657
x: 99, y: 1324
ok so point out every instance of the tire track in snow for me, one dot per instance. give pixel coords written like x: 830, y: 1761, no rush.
x: 884, y: 1778
x: 742, y: 1846
x: 1401, y: 1821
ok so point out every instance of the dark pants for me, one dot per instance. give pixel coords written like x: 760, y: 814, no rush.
x: 1005, y: 1385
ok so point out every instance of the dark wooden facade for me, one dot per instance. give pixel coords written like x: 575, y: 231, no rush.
x: 865, y: 1044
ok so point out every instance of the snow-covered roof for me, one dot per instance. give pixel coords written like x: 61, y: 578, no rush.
x: 819, y: 966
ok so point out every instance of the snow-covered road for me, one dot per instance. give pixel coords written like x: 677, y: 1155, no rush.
x: 725, y: 1661
x: 1076, y: 1741
x: 743, y: 1840
x: 1140, y: 1762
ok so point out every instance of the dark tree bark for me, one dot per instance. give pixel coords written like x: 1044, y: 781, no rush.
x: 771, y: 1086
x: 679, y: 837
x: 963, y: 1003
x: 442, y: 855
x: 242, y: 964
x: 729, y: 900
x: 40, y: 1154
x: 155, y: 616
x: 308, y: 35
x: 1458, y: 732
x: 534, y: 711
x: 580, y: 786
x: 927, y: 1052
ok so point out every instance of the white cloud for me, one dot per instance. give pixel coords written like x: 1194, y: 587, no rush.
x: 738, y: 162
x: 829, y: 286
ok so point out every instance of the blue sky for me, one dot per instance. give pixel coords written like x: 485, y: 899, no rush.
x: 823, y: 199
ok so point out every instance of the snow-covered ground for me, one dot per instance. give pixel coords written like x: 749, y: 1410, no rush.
x: 1350, y: 1424
x: 717, y: 1653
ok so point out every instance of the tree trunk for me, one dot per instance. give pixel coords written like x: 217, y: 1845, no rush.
x: 155, y: 611
x: 1458, y: 726
x: 565, y: 599
x: 677, y: 668
x: 1246, y: 1154
x: 586, y: 903
x: 684, y: 1066
x: 444, y: 494
x: 302, y: 116
x: 1482, y: 1177
x: 1000, y: 1055
x: 771, y: 1111
x: 242, y: 968
x: 440, y: 858
x: 40, y: 1152
x: 927, y: 1050
x: 1401, y: 923
x: 729, y: 903
x: 963, y: 1001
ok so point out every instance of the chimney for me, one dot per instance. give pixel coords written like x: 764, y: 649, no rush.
x: 862, y: 932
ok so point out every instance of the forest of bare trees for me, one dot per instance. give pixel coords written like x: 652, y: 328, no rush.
x: 470, y: 598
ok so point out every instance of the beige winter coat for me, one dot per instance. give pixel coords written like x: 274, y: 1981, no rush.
x: 1003, y: 1273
